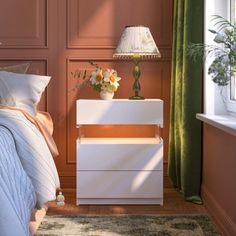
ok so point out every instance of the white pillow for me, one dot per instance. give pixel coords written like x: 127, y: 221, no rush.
x: 22, y: 90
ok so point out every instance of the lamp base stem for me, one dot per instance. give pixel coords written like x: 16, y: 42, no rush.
x: 136, y: 97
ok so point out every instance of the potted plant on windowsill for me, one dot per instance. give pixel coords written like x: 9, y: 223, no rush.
x: 223, y: 66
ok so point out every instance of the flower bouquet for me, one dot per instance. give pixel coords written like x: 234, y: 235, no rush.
x: 103, y: 81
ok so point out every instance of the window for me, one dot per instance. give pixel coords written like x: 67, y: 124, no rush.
x: 233, y: 89
x: 217, y: 101
x: 231, y: 100
x: 233, y: 79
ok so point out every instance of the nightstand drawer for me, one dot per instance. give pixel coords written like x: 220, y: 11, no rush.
x: 119, y: 184
x: 119, y: 111
x: 112, y: 154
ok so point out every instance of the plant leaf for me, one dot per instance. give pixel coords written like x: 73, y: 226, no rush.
x: 212, y: 31
x: 84, y: 74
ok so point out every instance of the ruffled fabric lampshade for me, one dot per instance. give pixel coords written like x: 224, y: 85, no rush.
x: 136, y: 42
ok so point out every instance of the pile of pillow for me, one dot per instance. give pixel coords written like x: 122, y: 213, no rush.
x: 21, y: 90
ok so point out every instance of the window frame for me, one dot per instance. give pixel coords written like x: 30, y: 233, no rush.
x: 231, y: 103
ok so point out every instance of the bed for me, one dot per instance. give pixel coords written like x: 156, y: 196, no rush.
x: 28, y: 175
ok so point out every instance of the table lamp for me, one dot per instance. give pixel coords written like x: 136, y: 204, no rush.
x: 136, y: 42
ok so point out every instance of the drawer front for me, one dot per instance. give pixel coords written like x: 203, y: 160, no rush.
x: 119, y: 156
x: 119, y: 184
x: 119, y: 111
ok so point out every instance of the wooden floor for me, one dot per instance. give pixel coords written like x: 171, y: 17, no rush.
x: 173, y: 204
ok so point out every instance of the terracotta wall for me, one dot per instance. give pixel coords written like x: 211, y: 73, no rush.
x: 60, y: 36
x: 219, y: 174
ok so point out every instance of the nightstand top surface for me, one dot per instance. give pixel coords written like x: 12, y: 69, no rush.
x: 121, y: 100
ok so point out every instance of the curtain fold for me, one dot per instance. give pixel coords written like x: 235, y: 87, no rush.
x: 186, y: 100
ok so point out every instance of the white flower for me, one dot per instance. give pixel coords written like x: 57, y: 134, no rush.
x: 96, y: 77
x: 229, y: 30
x: 110, y: 76
x: 219, y: 38
x: 104, y: 80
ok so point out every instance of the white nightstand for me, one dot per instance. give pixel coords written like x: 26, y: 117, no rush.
x: 119, y: 170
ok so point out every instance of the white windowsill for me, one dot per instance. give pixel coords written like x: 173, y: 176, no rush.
x: 226, y: 123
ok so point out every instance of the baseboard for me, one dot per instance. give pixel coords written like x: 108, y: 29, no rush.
x: 220, y: 217
x: 119, y: 201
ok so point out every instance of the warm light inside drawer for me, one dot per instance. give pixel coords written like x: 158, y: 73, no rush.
x: 120, y: 131
x: 119, y: 140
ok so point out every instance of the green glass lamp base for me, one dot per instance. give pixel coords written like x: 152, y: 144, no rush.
x: 136, y: 98
x: 136, y: 74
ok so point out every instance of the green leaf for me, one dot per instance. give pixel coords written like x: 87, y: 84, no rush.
x: 212, y: 31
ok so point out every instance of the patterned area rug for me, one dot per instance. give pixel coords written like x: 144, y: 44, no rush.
x: 128, y: 225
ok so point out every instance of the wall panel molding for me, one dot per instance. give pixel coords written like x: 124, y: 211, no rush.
x: 99, y: 24
x: 28, y: 29
x: 153, y: 72
x: 38, y: 66
x: 107, y: 54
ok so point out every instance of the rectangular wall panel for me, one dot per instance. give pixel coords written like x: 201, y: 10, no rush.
x: 154, y: 76
x: 99, y: 23
x: 38, y: 67
x: 23, y: 24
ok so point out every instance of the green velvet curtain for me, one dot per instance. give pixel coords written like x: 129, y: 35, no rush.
x: 186, y: 100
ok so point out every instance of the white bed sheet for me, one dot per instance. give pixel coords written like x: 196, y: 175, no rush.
x: 28, y: 173
x: 17, y: 195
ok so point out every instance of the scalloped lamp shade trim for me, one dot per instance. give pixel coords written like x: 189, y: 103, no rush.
x: 136, y: 40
